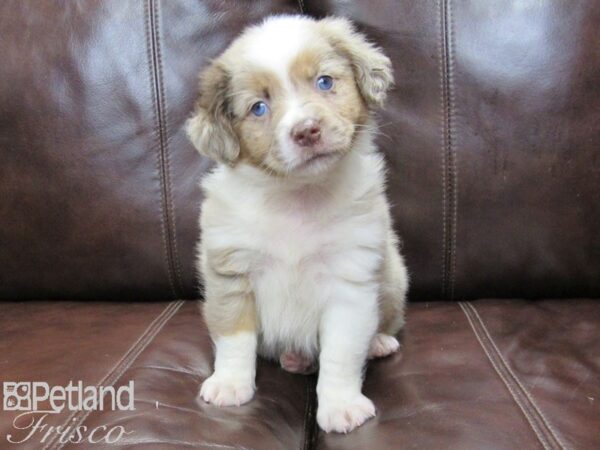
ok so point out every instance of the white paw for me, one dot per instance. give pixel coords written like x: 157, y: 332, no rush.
x: 226, y: 392
x: 383, y: 345
x: 344, y: 415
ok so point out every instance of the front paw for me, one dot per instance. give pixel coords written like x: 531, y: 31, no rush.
x: 220, y: 391
x: 343, y: 415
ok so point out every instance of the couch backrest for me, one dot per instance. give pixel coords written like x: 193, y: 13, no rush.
x: 492, y: 137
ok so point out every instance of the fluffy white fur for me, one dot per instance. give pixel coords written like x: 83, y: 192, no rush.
x: 303, y: 264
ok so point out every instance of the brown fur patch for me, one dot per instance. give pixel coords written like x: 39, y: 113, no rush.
x: 210, y: 128
x: 230, y: 315
x: 230, y: 306
x: 255, y: 133
x: 229, y: 262
x: 307, y: 65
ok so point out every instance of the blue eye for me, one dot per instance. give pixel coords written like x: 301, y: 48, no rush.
x: 259, y: 109
x: 325, y: 82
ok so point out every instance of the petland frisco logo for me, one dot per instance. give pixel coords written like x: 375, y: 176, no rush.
x: 37, y: 400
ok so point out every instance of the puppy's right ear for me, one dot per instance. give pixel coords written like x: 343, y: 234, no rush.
x: 372, y: 69
x: 210, y: 128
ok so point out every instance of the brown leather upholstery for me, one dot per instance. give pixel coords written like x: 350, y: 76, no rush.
x: 475, y: 375
x: 486, y: 374
x: 97, y: 179
x: 493, y: 140
x: 491, y: 136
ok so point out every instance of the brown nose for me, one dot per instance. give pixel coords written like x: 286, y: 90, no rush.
x: 306, y: 133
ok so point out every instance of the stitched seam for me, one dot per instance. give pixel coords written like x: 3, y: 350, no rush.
x: 452, y: 148
x: 449, y: 178
x: 444, y: 120
x: 512, y: 388
x: 551, y: 429
x: 442, y: 15
x: 149, y: 46
x: 449, y: 169
x: 128, y: 358
x: 165, y: 145
x: 504, y: 379
x: 305, y: 443
x: 527, y: 407
x: 155, y: 74
x: 125, y: 356
x: 310, y: 426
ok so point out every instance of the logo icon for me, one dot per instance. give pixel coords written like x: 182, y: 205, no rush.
x: 17, y: 396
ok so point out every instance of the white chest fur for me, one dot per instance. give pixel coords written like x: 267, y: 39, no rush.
x: 298, y: 245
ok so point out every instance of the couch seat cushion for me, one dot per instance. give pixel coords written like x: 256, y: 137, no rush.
x: 486, y: 374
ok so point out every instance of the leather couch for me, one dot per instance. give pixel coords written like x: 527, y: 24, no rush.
x: 492, y: 137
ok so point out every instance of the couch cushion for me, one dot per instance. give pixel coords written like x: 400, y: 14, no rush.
x: 487, y: 374
x: 99, y: 184
x: 62, y: 341
x: 165, y: 350
x: 492, y: 136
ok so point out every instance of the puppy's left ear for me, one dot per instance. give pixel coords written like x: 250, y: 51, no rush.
x: 210, y: 128
x: 372, y: 69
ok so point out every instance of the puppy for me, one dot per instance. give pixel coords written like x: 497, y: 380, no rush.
x: 298, y: 256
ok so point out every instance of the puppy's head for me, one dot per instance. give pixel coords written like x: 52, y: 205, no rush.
x: 289, y: 95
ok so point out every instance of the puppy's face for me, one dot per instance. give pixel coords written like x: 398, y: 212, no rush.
x: 289, y: 96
